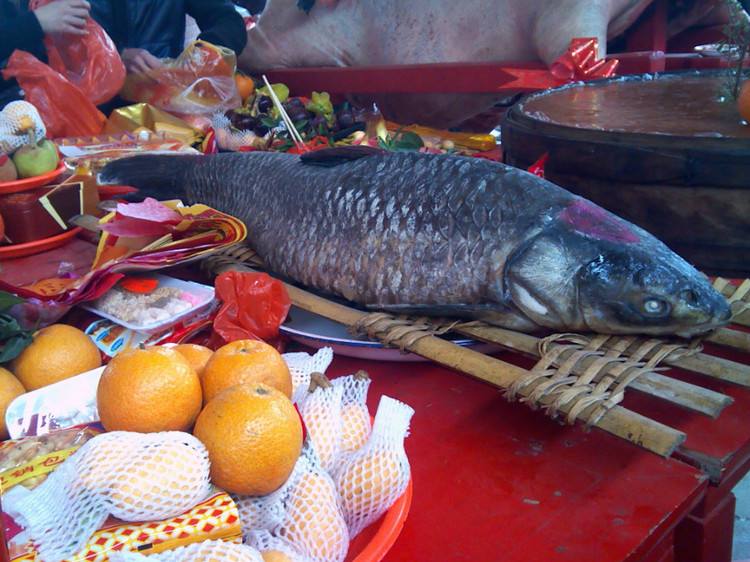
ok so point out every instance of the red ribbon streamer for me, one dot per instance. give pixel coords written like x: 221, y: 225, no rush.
x: 580, y: 62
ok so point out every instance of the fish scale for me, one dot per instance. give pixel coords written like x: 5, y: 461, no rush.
x: 443, y: 235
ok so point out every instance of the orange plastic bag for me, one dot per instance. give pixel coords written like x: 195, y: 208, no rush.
x: 198, y: 82
x: 90, y: 61
x: 64, y: 108
x: 254, y: 306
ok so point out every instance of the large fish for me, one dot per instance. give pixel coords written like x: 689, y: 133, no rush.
x: 442, y: 235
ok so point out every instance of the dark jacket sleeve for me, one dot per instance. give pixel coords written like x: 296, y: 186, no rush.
x: 21, y: 32
x: 219, y: 23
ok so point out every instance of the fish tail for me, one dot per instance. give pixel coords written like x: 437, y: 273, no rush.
x: 160, y: 176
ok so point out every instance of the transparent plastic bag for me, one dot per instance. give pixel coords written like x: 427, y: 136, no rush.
x: 199, y: 82
x: 90, y: 62
x: 131, y: 476
x: 375, y: 476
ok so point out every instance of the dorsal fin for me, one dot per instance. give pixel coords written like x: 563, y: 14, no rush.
x: 330, y: 157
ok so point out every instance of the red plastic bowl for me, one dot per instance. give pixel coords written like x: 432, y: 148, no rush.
x: 374, y: 542
x: 8, y: 187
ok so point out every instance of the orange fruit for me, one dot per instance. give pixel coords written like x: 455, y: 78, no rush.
x: 197, y: 355
x: 148, y: 390
x: 355, y: 426
x: 242, y: 362
x: 57, y: 352
x: 245, y: 85
x: 254, y: 437
x: 274, y: 556
x: 10, y: 389
x: 743, y: 102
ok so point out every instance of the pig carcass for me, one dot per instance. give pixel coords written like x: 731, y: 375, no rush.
x: 390, y: 32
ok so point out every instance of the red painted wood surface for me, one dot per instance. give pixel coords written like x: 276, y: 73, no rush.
x: 497, y: 481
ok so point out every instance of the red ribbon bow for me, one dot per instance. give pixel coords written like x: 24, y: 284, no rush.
x: 580, y: 62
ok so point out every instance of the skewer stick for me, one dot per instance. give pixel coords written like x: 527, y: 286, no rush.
x: 293, y: 132
x: 681, y: 393
x: 621, y: 422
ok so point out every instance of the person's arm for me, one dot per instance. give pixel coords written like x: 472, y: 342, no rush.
x: 219, y: 23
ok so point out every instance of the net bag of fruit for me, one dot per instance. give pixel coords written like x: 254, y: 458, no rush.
x: 355, y: 417
x: 306, y: 514
x: 375, y: 476
x: 198, y: 82
x: 268, y: 546
x: 206, y: 551
x: 301, y: 365
x: 321, y: 412
x: 131, y: 476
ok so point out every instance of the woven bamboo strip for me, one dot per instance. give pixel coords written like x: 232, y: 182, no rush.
x: 726, y: 337
x: 621, y: 422
x: 683, y: 394
x: 739, y: 297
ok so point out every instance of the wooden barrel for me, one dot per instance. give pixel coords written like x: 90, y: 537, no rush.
x: 667, y: 152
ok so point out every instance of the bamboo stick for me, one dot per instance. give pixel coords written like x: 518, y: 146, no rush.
x: 683, y: 394
x: 726, y: 337
x: 621, y: 422
x: 743, y: 318
x: 716, y: 367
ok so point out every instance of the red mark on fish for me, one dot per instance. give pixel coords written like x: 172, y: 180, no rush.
x: 593, y: 221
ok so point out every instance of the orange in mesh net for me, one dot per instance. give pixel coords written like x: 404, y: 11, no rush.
x: 321, y: 412
x: 206, y: 551
x: 313, y: 522
x: 374, y: 477
x: 133, y: 476
x: 355, y: 418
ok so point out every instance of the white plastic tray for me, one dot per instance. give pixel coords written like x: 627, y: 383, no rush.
x: 204, y: 293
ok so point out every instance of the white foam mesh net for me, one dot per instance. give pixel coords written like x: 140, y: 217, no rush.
x: 302, y: 365
x: 313, y: 521
x: 321, y: 412
x: 11, y: 126
x: 132, y: 476
x: 262, y: 512
x: 374, y: 477
x: 206, y: 551
x: 228, y: 138
x: 265, y: 542
x: 355, y: 417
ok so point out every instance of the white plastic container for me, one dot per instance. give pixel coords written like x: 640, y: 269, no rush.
x: 200, y: 298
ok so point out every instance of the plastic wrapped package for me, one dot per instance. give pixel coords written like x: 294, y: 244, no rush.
x: 196, y: 552
x: 198, y: 82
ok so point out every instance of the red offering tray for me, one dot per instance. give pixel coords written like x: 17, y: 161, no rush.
x: 8, y: 187
x: 37, y: 246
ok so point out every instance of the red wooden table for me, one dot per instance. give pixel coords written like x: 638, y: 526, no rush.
x: 497, y: 481
x: 721, y: 448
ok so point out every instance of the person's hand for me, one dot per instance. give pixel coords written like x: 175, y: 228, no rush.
x: 140, y: 61
x: 64, y: 16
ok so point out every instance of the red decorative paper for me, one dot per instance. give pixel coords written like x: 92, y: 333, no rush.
x: 581, y: 62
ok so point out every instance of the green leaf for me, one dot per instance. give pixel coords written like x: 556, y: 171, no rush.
x: 12, y: 347
x: 8, y: 300
x: 269, y: 122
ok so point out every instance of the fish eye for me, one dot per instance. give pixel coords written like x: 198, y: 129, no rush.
x: 655, y: 307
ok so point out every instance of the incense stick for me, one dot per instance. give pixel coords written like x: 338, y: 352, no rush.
x: 296, y: 137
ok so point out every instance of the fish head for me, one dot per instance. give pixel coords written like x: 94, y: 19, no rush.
x: 636, y: 292
x: 589, y: 270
